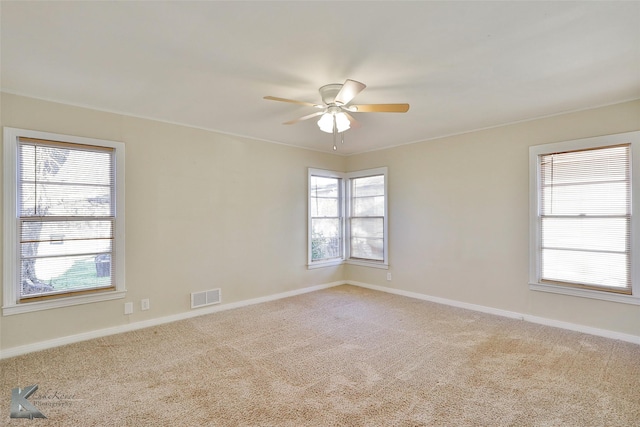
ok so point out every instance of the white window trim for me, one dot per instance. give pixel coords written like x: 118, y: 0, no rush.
x: 632, y: 138
x: 11, y: 242
x: 346, y: 195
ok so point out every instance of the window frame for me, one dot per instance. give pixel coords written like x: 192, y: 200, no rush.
x: 348, y: 197
x: 345, y: 191
x: 341, y: 186
x: 535, y: 282
x: 11, y: 245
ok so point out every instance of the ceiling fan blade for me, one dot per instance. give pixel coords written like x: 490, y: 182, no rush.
x: 293, y: 101
x: 379, y: 108
x: 349, y: 90
x: 308, y: 116
x: 352, y: 122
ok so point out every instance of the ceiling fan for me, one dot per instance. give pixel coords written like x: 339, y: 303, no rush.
x: 335, y: 109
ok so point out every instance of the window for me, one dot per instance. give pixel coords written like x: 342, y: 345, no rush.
x: 352, y: 205
x: 64, y: 220
x: 366, y: 219
x: 325, y: 211
x: 581, y: 219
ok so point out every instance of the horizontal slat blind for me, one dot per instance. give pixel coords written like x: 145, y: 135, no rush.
x: 585, y: 218
x: 66, y: 215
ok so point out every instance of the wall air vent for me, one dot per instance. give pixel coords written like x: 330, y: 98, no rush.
x: 201, y: 299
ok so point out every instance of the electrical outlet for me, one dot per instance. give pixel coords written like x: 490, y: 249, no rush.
x: 144, y: 304
x: 128, y: 308
x: 389, y: 276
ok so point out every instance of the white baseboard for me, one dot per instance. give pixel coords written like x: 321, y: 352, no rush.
x: 57, y: 342
x: 43, y: 345
x: 505, y: 313
x: 584, y: 329
x: 454, y: 303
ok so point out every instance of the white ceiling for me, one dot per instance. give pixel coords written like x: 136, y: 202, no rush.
x: 461, y: 65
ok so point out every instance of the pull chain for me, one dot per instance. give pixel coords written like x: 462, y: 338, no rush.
x: 335, y: 133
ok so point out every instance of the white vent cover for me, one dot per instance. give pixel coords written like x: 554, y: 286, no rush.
x: 200, y: 299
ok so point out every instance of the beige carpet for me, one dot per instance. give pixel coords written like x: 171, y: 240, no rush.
x: 342, y: 356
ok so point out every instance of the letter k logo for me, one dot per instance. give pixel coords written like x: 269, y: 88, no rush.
x: 21, y: 407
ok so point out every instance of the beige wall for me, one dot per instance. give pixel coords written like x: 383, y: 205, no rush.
x: 207, y: 210
x: 203, y: 210
x: 458, y: 218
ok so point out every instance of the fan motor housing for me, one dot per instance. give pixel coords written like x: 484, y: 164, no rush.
x: 329, y: 92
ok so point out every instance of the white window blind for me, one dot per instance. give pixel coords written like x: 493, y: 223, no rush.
x: 66, y: 216
x: 585, y: 218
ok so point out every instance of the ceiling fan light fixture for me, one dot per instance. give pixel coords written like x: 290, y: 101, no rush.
x: 328, y: 120
x: 342, y: 122
x: 326, y: 123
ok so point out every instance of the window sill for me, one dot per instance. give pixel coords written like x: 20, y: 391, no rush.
x: 29, y: 307
x: 361, y: 263
x: 321, y: 264
x: 585, y: 293
x: 372, y: 264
